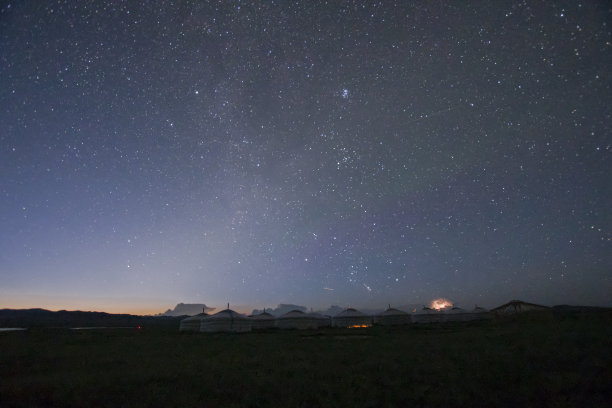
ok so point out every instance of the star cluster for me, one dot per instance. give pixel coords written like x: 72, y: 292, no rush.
x: 309, y: 152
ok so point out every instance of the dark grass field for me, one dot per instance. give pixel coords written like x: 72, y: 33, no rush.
x: 532, y: 361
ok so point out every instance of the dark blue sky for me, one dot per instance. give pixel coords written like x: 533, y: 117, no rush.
x: 358, y: 153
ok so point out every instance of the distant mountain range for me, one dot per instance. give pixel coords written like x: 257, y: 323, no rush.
x: 30, y: 318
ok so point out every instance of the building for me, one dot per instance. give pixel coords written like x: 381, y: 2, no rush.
x: 392, y: 317
x: 518, y: 306
x: 225, y: 321
x: 351, y: 318
x: 296, y: 319
x: 192, y: 323
x: 262, y: 321
x: 322, y: 320
x: 428, y: 315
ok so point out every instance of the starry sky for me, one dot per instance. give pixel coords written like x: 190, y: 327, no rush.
x: 318, y: 153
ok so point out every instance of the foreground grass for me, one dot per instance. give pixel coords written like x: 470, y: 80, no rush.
x: 528, y: 362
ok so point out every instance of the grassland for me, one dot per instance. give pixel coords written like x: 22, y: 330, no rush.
x: 532, y: 361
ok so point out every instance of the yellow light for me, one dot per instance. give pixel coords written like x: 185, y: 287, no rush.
x: 440, y: 303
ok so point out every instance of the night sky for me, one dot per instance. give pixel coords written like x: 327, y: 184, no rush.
x: 315, y: 153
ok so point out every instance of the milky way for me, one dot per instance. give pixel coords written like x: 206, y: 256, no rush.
x: 360, y: 153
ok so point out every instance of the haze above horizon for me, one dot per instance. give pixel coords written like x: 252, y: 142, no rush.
x: 316, y: 154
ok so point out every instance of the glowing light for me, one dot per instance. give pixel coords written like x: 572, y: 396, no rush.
x: 358, y: 326
x: 440, y: 303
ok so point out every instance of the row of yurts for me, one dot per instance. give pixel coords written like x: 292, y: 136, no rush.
x: 230, y: 321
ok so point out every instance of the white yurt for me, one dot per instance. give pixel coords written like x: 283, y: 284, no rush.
x: 322, y: 320
x: 456, y: 314
x: 262, y: 321
x: 351, y: 318
x: 480, y: 313
x: 225, y: 321
x: 427, y: 315
x: 296, y: 319
x: 192, y: 323
x: 518, y: 306
x: 393, y: 317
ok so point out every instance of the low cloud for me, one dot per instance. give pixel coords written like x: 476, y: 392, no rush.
x: 187, y: 309
x: 281, y: 309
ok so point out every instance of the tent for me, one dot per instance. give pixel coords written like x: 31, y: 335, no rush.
x: 192, y: 323
x: 296, y: 319
x: 392, y: 317
x: 351, y: 318
x: 263, y: 321
x: 478, y: 309
x: 322, y: 320
x: 479, y: 313
x: 455, y: 314
x: 427, y: 315
x: 518, y: 306
x: 225, y: 321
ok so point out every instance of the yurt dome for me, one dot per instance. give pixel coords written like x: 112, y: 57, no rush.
x: 225, y: 321
x: 296, y: 319
x: 479, y: 313
x: 322, y: 320
x: 351, y: 318
x: 192, y: 323
x: 518, y: 306
x: 393, y: 317
x: 456, y: 314
x: 262, y: 321
x: 427, y: 315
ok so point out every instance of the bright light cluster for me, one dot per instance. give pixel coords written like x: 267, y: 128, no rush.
x: 440, y: 303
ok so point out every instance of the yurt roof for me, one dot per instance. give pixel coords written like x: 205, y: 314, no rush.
x: 262, y: 316
x: 393, y: 312
x: 195, y: 317
x: 317, y: 315
x: 518, y: 303
x: 350, y: 312
x: 295, y: 314
x: 227, y: 314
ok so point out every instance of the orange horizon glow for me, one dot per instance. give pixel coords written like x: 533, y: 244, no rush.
x: 138, y: 311
x: 139, y: 307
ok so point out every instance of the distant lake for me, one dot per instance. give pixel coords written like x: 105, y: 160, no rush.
x: 9, y: 329
x: 101, y: 328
